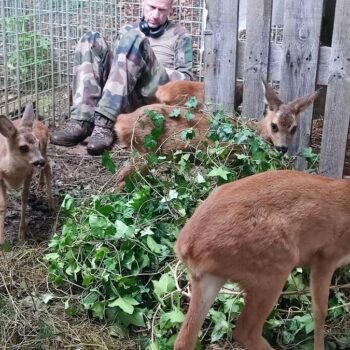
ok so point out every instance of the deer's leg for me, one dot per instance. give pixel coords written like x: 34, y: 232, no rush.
x: 25, y: 194
x: 48, y: 181
x: 320, y: 280
x: 3, y: 206
x: 203, y: 292
x: 260, y: 299
x: 127, y: 170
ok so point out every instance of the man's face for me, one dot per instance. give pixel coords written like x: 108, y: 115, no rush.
x: 156, y: 11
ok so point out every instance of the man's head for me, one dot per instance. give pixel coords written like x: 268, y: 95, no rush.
x: 156, y: 12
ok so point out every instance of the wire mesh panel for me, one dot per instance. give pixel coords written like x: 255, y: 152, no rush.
x: 38, y: 39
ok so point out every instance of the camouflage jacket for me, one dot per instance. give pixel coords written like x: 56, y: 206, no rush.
x: 173, y: 49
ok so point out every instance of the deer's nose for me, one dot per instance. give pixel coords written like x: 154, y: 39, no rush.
x: 282, y: 149
x: 39, y: 163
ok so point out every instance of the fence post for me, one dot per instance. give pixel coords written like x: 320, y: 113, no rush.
x: 256, y: 56
x: 301, y: 38
x: 337, y: 111
x: 220, y: 53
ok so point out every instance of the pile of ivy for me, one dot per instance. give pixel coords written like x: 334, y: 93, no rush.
x: 117, y: 248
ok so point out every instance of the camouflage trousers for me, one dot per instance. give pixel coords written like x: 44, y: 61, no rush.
x: 113, y: 83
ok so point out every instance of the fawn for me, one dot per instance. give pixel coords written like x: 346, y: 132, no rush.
x: 177, y: 92
x: 278, y: 126
x: 23, y: 147
x: 254, y: 231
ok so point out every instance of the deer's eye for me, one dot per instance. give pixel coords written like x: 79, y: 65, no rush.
x: 24, y: 148
x: 294, y: 129
x: 274, y: 127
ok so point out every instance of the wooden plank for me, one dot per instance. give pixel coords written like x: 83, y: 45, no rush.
x: 337, y: 111
x: 256, y: 56
x: 220, y: 40
x: 275, y: 57
x: 301, y: 36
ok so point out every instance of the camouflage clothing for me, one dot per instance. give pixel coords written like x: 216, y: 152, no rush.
x: 113, y: 84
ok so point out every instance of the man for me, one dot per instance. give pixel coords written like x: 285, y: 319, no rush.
x: 151, y: 51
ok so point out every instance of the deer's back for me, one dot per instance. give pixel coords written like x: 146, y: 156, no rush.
x: 266, y: 220
x: 132, y: 128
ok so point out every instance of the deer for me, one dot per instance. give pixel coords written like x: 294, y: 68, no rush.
x: 177, y: 92
x: 277, y: 127
x: 254, y: 231
x: 23, y: 147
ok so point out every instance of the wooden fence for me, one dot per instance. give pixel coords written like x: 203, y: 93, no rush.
x: 298, y: 63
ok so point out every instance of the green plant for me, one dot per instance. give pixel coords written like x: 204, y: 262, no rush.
x: 34, y: 50
x: 117, y: 249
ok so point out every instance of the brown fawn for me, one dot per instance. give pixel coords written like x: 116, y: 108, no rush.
x: 23, y: 147
x: 278, y: 126
x: 254, y: 231
x: 177, y: 92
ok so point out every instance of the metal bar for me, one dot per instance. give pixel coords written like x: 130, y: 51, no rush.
x: 5, y: 56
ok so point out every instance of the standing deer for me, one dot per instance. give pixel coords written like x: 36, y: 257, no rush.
x: 23, y: 147
x: 254, y: 231
x: 278, y: 126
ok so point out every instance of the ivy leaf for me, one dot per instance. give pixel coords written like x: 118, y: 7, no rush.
x: 221, y: 327
x: 189, y: 115
x: 150, y: 142
x: 187, y: 134
x: 219, y: 172
x: 171, y: 318
x: 96, y: 221
x: 153, y: 245
x: 108, y: 162
x: 175, y: 113
x: 192, y: 102
x: 164, y: 286
x: 68, y: 202
x: 126, y: 303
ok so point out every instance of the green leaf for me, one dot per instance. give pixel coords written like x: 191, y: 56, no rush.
x: 68, y: 202
x: 188, y: 134
x: 150, y: 142
x: 51, y: 257
x: 136, y: 318
x: 219, y: 172
x: 221, y: 326
x: 175, y: 113
x: 5, y: 247
x: 165, y: 285
x: 146, y: 231
x: 153, y: 245
x: 90, y: 298
x: 108, y: 162
x: 126, y: 304
x: 47, y: 297
x: 192, y: 102
x: 96, y: 221
x: 172, y: 318
x: 123, y: 230
x: 98, y: 310
x: 189, y: 115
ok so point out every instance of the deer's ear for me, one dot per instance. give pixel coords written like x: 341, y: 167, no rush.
x: 301, y: 103
x: 28, y: 115
x: 7, y: 128
x: 271, y: 98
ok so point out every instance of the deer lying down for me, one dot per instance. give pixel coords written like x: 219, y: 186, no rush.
x: 277, y: 127
x: 254, y: 231
x: 177, y: 92
x: 23, y: 147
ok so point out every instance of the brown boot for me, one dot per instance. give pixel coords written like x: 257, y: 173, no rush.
x: 102, y: 137
x: 75, y: 132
